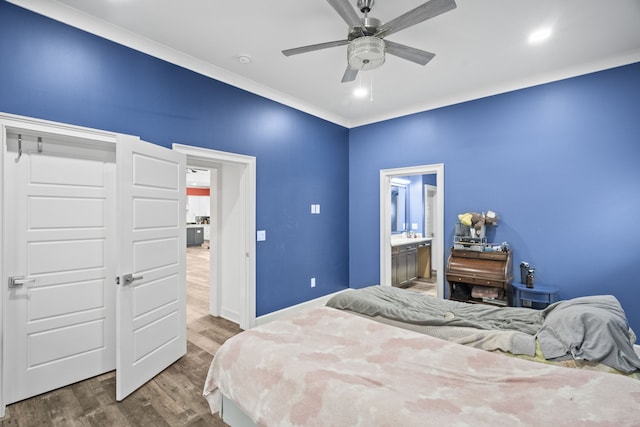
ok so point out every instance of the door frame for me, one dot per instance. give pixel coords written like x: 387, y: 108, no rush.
x: 214, y: 159
x: 385, y: 220
x: 41, y: 127
x: 427, y: 188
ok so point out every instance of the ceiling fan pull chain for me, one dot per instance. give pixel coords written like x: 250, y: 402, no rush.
x: 370, y: 86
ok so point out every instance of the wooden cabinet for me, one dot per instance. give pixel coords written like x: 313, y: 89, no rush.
x: 467, y: 269
x: 424, y: 260
x: 404, y: 264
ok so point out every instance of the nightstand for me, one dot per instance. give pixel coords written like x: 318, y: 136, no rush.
x: 538, y: 297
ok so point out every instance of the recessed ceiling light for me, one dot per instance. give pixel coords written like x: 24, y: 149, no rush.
x: 244, y: 59
x: 539, y: 35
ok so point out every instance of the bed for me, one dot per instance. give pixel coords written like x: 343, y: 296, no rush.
x: 329, y: 367
x: 588, y: 332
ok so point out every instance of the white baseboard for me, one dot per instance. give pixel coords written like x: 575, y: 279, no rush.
x: 318, y: 302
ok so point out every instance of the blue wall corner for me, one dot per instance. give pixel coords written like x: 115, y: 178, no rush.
x: 557, y: 162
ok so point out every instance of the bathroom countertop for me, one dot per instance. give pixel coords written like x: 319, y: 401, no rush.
x: 408, y: 240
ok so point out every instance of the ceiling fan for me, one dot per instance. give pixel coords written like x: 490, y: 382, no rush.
x: 367, y: 48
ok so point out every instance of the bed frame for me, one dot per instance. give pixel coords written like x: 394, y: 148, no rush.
x: 233, y: 415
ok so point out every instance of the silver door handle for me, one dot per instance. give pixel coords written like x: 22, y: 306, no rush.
x: 15, y: 281
x: 130, y: 278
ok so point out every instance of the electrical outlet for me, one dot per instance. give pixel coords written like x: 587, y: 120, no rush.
x: 313, y: 282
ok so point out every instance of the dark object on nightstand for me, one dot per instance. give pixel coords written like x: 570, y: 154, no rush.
x: 524, y: 269
x: 530, y: 278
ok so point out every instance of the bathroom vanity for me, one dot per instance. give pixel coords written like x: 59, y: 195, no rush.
x: 405, y: 256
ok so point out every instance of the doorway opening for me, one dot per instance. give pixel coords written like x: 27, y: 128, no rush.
x: 437, y: 227
x: 200, y: 206
x: 232, y: 229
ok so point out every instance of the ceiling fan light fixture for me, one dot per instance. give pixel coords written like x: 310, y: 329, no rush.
x: 539, y: 35
x: 365, y: 53
x: 360, y: 92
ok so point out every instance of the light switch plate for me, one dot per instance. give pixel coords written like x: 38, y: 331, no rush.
x: 261, y: 235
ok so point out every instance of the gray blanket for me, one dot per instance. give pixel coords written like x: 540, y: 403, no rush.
x: 419, y: 309
x: 590, y: 328
x: 513, y: 342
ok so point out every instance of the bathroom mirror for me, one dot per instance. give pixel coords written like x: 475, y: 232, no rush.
x: 399, y: 207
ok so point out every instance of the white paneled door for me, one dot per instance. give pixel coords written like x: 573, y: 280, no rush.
x: 151, y: 295
x: 93, y: 266
x: 59, y: 321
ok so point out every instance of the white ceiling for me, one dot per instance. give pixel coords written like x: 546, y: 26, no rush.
x: 481, y: 47
x: 197, y: 177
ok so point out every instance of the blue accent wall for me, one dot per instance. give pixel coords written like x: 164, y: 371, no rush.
x: 558, y: 162
x: 55, y: 72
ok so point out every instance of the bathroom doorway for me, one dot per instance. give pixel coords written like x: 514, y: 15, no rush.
x: 437, y: 248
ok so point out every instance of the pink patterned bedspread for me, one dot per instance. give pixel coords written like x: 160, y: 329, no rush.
x: 326, y: 367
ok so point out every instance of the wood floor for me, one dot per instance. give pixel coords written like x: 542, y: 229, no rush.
x: 425, y: 286
x: 173, y: 398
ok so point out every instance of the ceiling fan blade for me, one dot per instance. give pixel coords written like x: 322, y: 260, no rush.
x: 421, y: 13
x: 311, y: 48
x: 349, y: 75
x: 346, y: 11
x: 409, y: 53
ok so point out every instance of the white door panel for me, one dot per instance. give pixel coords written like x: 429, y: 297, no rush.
x: 67, y: 213
x: 57, y: 234
x: 151, y: 310
x: 67, y: 320
x: 56, y: 256
x: 74, y: 298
